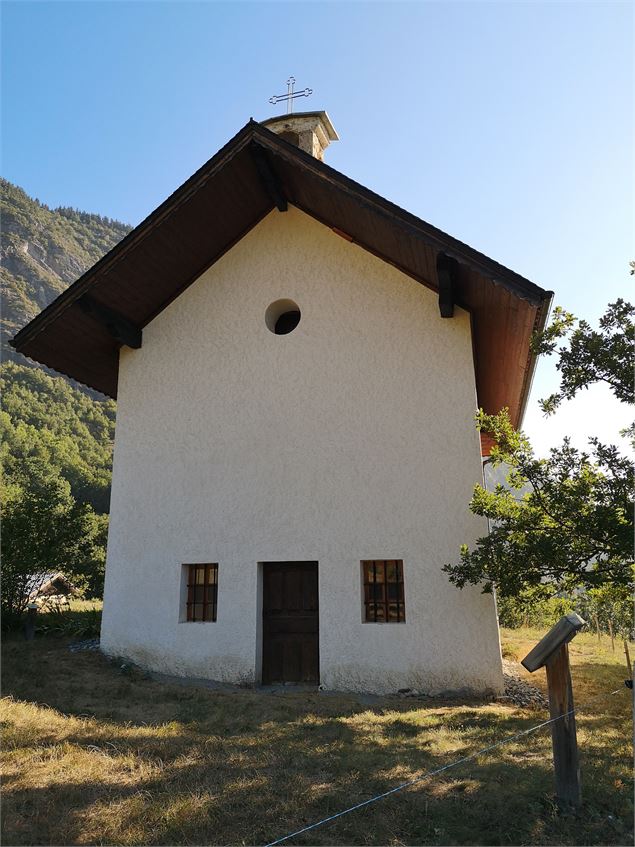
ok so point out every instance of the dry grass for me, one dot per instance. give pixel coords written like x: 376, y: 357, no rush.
x: 97, y: 754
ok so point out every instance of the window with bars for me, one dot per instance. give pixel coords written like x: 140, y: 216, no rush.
x: 384, y: 591
x: 202, y: 592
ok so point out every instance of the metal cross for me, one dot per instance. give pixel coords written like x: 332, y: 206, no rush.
x: 290, y: 95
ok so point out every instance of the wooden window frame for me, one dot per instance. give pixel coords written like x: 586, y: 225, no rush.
x: 375, y: 601
x: 209, y: 601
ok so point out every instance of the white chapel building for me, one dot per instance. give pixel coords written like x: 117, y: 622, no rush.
x: 297, y: 363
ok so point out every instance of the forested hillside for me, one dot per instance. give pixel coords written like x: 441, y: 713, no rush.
x: 43, y: 251
x: 44, y: 417
x: 56, y: 435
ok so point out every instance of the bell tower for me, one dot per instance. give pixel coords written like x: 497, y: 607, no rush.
x: 310, y: 131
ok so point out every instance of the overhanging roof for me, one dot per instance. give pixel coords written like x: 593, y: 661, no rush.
x: 80, y: 333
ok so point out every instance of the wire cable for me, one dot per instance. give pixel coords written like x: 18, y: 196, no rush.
x: 430, y: 774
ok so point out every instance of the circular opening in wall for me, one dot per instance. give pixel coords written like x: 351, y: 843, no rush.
x: 282, y: 317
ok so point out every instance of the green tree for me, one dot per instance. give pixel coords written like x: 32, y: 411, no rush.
x: 44, y: 530
x: 535, y: 608
x: 589, y: 356
x: 566, y: 521
x: 610, y: 609
x: 43, y: 416
x: 56, y: 453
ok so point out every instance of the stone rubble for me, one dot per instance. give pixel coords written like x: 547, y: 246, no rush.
x: 90, y: 644
x: 408, y: 692
x: 517, y: 691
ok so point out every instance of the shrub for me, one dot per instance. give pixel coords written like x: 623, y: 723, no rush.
x: 64, y: 623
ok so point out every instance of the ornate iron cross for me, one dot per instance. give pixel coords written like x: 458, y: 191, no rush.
x: 290, y: 95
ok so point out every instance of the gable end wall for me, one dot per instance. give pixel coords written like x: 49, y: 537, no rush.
x: 351, y: 438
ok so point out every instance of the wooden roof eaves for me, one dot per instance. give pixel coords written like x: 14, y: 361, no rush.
x: 359, y: 242
x: 253, y: 132
x: 181, y: 288
x: 112, y: 395
x: 119, y: 251
x: 498, y: 274
x: 416, y: 227
x: 542, y: 316
x: 431, y: 235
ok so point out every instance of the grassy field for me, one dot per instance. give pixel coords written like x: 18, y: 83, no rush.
x: 94, y: 753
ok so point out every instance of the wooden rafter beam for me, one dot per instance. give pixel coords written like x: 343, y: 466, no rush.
x: 447, y: 272
x: 121, y: 329
x: 268, y: 177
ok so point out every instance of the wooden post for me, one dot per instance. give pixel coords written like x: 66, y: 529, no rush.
x: 552, y: 653
x: 628, y: 659
x: 29, y: 624
x: 597, y: 626
x: 563, y: 730
x: 611, y: 634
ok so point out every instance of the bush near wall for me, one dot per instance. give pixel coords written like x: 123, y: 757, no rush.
x: 608, y: 609
x: 542, y: 613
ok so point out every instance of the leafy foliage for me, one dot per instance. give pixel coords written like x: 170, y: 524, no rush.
x: 56, y: 437
x: 533, y: 609
x: 44, y: 530
x: 56, y: 456
x: 563, y: 523
x: 44, y: 418
x: 70, y: 623
x: 566, y: 520
x: 609, y: 608
x: 590, y: 356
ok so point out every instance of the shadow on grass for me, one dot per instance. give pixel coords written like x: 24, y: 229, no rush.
x: 159, y: 764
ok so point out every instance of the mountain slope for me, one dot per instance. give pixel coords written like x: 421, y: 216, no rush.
x: 56, y: 437
x: 44, y: 415
x: 43, y: 250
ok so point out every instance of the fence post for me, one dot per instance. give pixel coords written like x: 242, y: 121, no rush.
x: 29, y: 624
x: 563, y: 731
x: 628, y: 659
x: 552, y: 652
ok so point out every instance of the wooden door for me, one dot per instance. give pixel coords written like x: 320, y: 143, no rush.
x: 290, y: 648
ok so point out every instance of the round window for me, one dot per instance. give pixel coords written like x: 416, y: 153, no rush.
x: 282, y: 317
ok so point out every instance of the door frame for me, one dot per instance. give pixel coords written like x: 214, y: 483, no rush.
x: 260, y: 611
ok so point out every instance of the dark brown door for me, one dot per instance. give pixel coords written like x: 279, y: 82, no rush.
x: 290, y: 651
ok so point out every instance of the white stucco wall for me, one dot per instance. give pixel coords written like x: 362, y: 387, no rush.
x: 351, y: 438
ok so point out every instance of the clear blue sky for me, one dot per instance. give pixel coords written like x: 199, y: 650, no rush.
x: 509, y: 125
